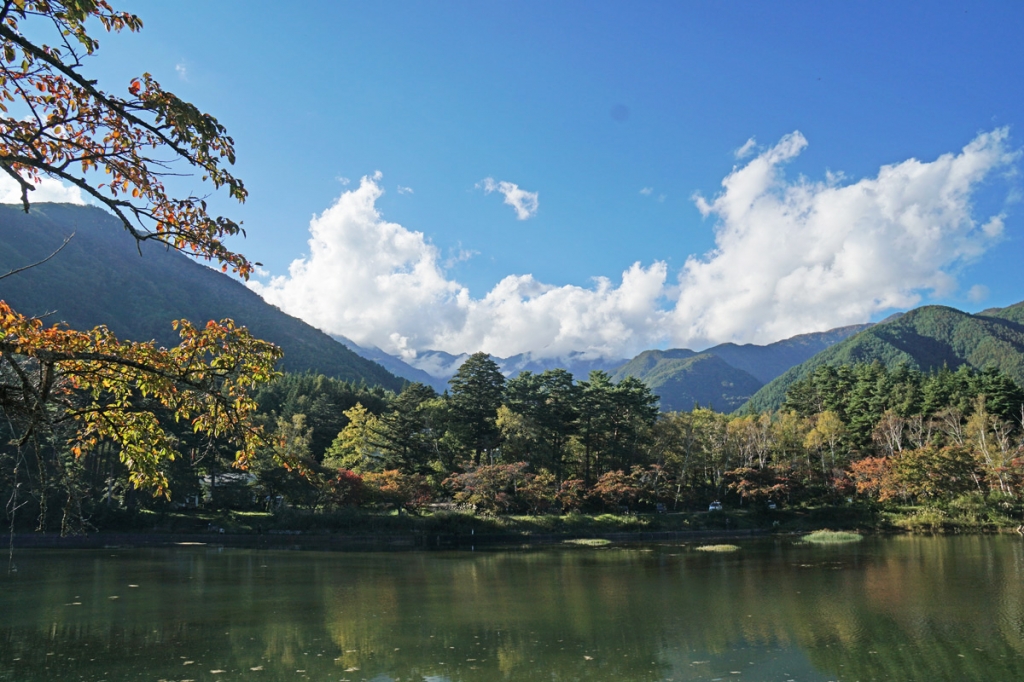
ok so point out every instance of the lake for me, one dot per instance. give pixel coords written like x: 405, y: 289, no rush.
x: 900, y: 608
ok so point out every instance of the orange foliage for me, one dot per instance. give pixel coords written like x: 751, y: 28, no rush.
x: 73, y: 132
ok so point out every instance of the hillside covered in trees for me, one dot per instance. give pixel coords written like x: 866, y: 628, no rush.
x: 926, y: 338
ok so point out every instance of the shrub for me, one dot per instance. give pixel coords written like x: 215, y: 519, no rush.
x: 502, y: 488
x: 392, y: 488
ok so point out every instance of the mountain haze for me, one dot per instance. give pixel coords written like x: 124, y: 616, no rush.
x: 103, y: 277
x: 393, y: 364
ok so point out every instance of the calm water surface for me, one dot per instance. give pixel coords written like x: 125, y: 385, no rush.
x: 884, y: 609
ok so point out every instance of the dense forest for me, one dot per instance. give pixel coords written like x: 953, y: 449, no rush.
x: 549, y: 443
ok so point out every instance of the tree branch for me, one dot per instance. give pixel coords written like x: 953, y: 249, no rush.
x: 60, y: 248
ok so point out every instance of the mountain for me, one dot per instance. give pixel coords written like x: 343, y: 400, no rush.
x: 436, y: 367
x: 724, y: 377
x: 768, y: 362
x: 103, y: 277
x: 393, y: 364
x: 1013, y: 313
x: 683, y: 378
x: 925, y: 338
x: 579, y: 364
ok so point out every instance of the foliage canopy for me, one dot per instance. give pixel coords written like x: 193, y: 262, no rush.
x: 56, y: 122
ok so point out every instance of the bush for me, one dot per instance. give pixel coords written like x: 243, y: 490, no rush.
x: 503, y: 488
x: 392, y: 488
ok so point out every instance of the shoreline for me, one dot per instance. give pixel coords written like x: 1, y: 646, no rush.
x: 318, y: 541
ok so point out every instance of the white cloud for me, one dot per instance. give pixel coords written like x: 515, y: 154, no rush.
x: 459, y: 255
x: 790, y: 256
x: 182, y: 70
x: 48, y: 189
x: 368, y: 279
x: 977, y: 293
x: 524, y: 203
x: 746, y: 150
x: 646, y: 191
x: 405, y: 190
x: 381, y: 284
x: 799, y: 256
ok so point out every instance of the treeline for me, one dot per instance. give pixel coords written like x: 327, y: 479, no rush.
x: 543, y: 443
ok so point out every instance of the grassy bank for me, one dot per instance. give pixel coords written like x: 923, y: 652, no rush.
x: 968, y: 514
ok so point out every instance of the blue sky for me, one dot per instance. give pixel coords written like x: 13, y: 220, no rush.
x: 615, y: 115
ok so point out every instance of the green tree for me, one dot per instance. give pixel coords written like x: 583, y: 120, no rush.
x: 476, y: 392
x: 538, y: 418
x: 405, y: 434
x: 594, y: 424
x: 356, y: 447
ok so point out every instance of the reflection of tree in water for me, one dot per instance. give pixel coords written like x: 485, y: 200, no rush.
x: 921, y: 609
x: 856, y: 612
x: 490, y: 616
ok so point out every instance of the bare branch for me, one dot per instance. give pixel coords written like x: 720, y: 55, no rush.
x: 60, y: 248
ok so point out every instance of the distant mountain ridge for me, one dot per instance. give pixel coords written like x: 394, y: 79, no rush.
x: 435, y: 367
x: 925, y: 338
x: 393, y: 364
x: 683, y: 379
x: 726, y: 376
x: 723, y: 377
x: 769, y: 361
x: 100, y: 277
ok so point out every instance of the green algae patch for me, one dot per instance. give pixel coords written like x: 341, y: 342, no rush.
x: 717, y: 548
x: 832, y: 537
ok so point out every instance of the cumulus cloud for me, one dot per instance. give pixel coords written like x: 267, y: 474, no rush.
x: 646, y: 191
x: 405, y: 190
x: 524, y: 203
x: 48, y: 189
x: 182, y: 70
x: 379, y: 283
x: 369, y: 279
x: 791, y: 256
x: 798, y: 256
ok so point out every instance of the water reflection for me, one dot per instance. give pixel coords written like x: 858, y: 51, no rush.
x: 887, y: 609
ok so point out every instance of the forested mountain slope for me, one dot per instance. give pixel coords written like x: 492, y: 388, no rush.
x: 1013, y: 313
x: 684, y: 379
x: 725, y: 376
x: 100, y: 277
x: 926, y: 338
x: 768, y: 362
